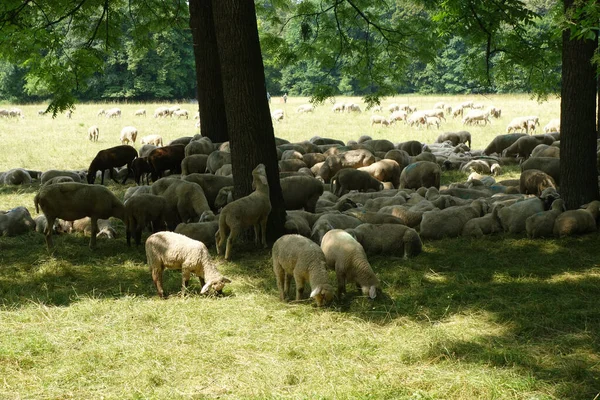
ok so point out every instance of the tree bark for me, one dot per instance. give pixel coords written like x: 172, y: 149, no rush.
x: 213, y: 121
x: 251, y: 136
x: 578, y: 169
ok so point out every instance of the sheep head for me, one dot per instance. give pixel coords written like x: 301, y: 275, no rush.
x: 216, y: 284
x: 323, y: 294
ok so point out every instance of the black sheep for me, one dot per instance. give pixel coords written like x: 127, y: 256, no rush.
x: 111, y: 158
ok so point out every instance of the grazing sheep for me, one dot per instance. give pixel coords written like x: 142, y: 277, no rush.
x: 298, y: 257
x: 421, y: 174
x: 378, y: 119
x: 541, y: 225
x: 16, y: 222
x: 329, y: 221
x: 71, y: 201
x: 552, y: 126
x: 301, y: 192
x: 353, y: 179
x: 211, y: 184
x: 155, y: 140
x: 180, y: 113
x: 514, y: 216
x: 93, y: 133
x: 128, y: 135
x: 501, y: 142
x: 476, y: 116
x: 174, y: 251
x: 338, y: 107
x: 142, y: 210
x: 101, y: 112
x: 352, y: 107
x: 534, y: 181
x: 84, y: 225
x: 577, y: 222
x: 347, y: 258
x: 185, y: 202
x: 166, y: 158
x: 113, y: 113
x: 450, y: 221
x: 429, y: 121
x: 136, y: 190
x: 398, y: 116
x: 277, y: 115
x: 201, y: 231
x: 111, y: 158
x: 305, y: 108
x: 140, y: 113
x: 250, y: 210
x: 389, y: 239
x: 517, y: 124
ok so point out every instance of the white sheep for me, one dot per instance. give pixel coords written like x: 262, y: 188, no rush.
x: 450, y: 221
x: 161, y: 112
x: 128, y: 135
x: 486, y: 225
x: 518, y: 124
x: 298, y: 257
x: 552, y: 126
x: 174, y: 251
x: 305, y: 108
x: 353, y: 107
x: 71, y: 201
x: 399, y: 115
x: 542, y: 224
x: 476, y: 116
x: 429, y: 121
x: 155, y: 140
x: 347, y: 258
x: 338, y: 107
x: 101, y: 112
x: 240, y: 214
x: 84, y: 225
x: 513, y: 217
x: 113, y: 113
x: 140, y: 113
x: 378, y: 119
x: 577, y: 222
x: 180, y: 113
x: 277, y: 115
x: 93, y: 133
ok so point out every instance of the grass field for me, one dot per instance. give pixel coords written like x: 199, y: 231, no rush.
x: 503, y: 317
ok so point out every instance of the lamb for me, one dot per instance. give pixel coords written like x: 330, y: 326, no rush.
x: 128, y: 135
x: 577, y: 222
x: 486, y: 225
x: 140, y: 113
x: 174, y: 251
x: 60, y: 226
x: 450, y: 221
x: 392, y: 239
x: 421, y: 174
x: 111, y: 158
x: 71, y: 201
x: 378, y: 119
x: 16, y: 221
x: 140, y: 211
x: 201, y: 231
x: 155, y: 140
x: 141, y: 167
x: 250, y: 210
x: 297, y: 256
x: 514, y: 216
x: 353, y: 179
x: 541, y: 225
x: 84, y: 225
x: 347, y: 258
x: 93, y: 133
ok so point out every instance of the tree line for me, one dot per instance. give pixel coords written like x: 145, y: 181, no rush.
x: 305, y: 55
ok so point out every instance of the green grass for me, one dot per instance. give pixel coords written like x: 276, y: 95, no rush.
x: 502, y: 317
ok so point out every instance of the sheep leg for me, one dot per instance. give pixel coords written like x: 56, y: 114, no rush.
x: 48, y: 231
x: 232, y: 235
x: 185, y: 280
x: 282, y: 281
x: 111, y: 173
x: 299, y: 286
x: 127, y: 174
x: 256, y: 234
x: 157, y: 272
x: 94, y: 223
x: 263, y: 229
x: 341, y: 280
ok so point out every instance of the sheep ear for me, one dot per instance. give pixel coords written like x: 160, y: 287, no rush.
x: 372, y: 292
x: 315, y: 292
x: 263, y: 179
x: 206, y: 287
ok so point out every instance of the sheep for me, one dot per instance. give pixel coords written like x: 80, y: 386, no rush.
x: 371, y: 217
x: 297, y: 256
x: 347, y: 258
x: 549, y: 165
x: 68, y: 114
x: 185, y: 202
x: 349, y: 159
x: 128, y: 135
x: 175, y: 251
x: 93, y: 133
x: 542, y: 224
x: 416, y: 119
x: 155, y: 140
x: 385, y: 171
x: 58, y: 179
x: 101, y: 112
x: 250, y: 210
x: 544, y: 150
x: 429, y: 121
x: 211, y: 184
x: 534, y: 181
x: 353, y: 107
x: 325, y: 141
x: 277, y: 115
x: 201, y: 231
x: 166, y: 158
x: 305, y: 108
x: 15, y: 176
x: 475, y: 116
x: 140, y: 211
x: 146, y: 149
x: 16, y: 221
x: 216, y: 160
x: 338, y: 107
x: 113, y: 113
x: 577, y: 222
x: 353, y: 179
x: 52, y: 173
x: 450, y: 221
x: 412, y: 147
x: 378, y: 119
x: 84, y: 225
x: 552, y: 126
x: 134, y: 191
x: 301, y: 192
x: 180, y: 113
x: 329, y: 221
x: 300, y: 222
x: 195, y: 163
x: 71, y: 201
x: 225, y: 170
x: 517, y: 124
x: 110, y: 158
x: 311, y: 159
x: 202, y: 145
x: 397, y: 116
x: 514, y: 216
x: 141, y: 168
x: 140, y: 113
x: 392, y: 239
x: 486, y: 225
x: 438, y: 113
x: 523, y: 146
x: 455, y: 137
x: 421, y: 174
x: 60, y: 226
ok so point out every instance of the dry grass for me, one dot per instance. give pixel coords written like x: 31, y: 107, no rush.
x: 501, y: 317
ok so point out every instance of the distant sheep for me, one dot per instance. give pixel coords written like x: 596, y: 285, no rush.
x: 113, y: 113
x: 155, y: 140
x: 140, y: 113
x: 128, y: 135
x: 93, y: 133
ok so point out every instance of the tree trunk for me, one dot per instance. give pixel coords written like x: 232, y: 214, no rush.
x: 213, y: 121
x: 251, y: 136
x: 578, y: 170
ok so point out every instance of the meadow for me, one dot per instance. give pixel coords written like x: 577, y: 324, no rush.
x: 502, y: 317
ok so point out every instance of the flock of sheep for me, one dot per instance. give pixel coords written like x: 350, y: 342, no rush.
x: 344, y: 201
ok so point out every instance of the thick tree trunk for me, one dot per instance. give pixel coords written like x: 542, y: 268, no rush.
x: 251, y: 136
x: 213, y: 121
x: 578, y: 172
